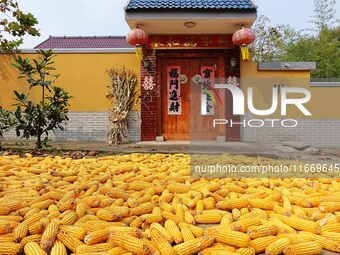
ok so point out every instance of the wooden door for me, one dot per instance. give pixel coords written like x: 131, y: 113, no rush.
x: 175, y: 127
x: 178, y: 127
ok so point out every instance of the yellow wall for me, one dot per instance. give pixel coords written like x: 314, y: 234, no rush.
x: 324, y: 102
x: 83, y: 75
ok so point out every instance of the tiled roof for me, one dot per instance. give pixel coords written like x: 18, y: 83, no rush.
x: 191, y: 4
x: 83, y: 42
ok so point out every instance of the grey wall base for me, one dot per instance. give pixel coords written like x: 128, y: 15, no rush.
x: 91, y: 126
x: 316, y: 132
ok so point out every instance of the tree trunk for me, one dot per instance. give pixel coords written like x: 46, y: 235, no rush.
x: 39, y: 144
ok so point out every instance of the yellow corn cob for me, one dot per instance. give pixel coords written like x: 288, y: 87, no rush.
x: 209, y: 203
x: 69, y: 217
x: 76, y: 231
x: 36, y: 228
x: 97, y: 236
x: 163, y: 231
x: 81, y: 209
x: 155, y: 199
x: 180, y: 212
x: 231, y: 237
x: 166, y: 207
x: 192, y: 204
x: 50, y: 234
x: 69, y: 241
x: 197, y: 231
x: 246, y: 251
x: 4, y: 210
x: 296, y: 238
x: 150, y: 218
x: 301, y: 224
x: 9, y: 248
x: 331, y: 227
x: 211, y: 218
x: 325, y: 243
x: 277, y: 247
x: 68, y: 205
x: 229, y: 204
x: 58, y: 248
x: 117, y: 251
x: 244, y: 211
x: 166, y: 198
x: 306, y: 248
x: 161, y: 243
x: 332, y: 236
x: 121, y: 211
x: 36, y: 217
x: 101, y: 247
x: 243, y: 225
x: 178, y: 188
x: 187, y: 234
x: 193, y: 246
x: 188, y: 218
x: 281, y: 210
x: 267, y: 229
x: 20, y: 231
x: 173, y: 230
x: 226, y: 220
x: 33, y: 248
x: 282, y: 227
x: 142, y: 209
x: 262, y: 204
x: 260, y: 244
x: 31, y: 238
x: 236, y: 213
x: 329, y: 206
x: 152, y: 249
x: 125, y: 230
x: 129, y: 243
x: 107, y: 215
x: 7, y: 238
x: 298, y: 211
x: 43, y: 204
x: 218, y: 251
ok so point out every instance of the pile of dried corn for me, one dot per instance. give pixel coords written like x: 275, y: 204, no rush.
x: 148, y: 204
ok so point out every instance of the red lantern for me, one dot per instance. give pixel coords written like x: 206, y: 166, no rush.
x: 137, y: 37
x: 243, y: 38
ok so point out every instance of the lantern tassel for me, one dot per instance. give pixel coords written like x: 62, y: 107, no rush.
x: 245, y: 53
x: 139, y: 52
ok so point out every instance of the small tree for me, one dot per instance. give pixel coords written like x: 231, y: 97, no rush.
x: 51, y: 112
x: 6, y: 122
x: 121, y: 92
x: 15, y: 24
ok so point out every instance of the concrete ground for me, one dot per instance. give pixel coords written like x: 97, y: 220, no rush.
x: 310, y: 155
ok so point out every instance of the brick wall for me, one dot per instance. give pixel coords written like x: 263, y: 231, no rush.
x: 316, y: 132
x: 149, y: 100
x: 233, y: 134
x: 91, y: 126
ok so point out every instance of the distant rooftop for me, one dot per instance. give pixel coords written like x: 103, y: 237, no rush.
x: 222, y: 5
x: 83, y: 42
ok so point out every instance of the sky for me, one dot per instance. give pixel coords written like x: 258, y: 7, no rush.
x: 106, y: 17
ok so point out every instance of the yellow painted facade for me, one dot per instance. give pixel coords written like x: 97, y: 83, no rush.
x: 324, y: 100
x: 83, y: 75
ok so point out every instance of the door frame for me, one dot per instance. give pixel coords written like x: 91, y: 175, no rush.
x: 185, y: 54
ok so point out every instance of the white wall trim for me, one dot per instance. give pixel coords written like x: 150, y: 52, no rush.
x: 324, y: 84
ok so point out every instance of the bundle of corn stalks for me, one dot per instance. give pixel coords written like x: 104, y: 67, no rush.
x: 121, y: 92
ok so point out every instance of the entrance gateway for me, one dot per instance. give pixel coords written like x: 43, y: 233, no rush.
x: 187, y: 36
